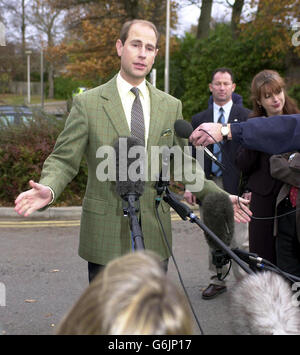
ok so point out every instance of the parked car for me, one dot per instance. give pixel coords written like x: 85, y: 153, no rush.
x: 15, y: 114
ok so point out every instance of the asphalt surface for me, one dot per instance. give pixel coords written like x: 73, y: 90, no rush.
x: 43, y: 276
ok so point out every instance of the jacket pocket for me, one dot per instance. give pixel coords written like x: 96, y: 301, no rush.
x: 95, y: 206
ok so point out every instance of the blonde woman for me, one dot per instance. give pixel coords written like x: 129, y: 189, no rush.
x: 132, y: 295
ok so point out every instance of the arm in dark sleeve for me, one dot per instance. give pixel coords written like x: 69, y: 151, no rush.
x: 281, y: 168
x: 273, y: 135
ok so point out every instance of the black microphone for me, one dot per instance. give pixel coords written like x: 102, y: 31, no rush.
x: 184, y: 129
x: 264, y: 304
x: 218, y: 216
x: 164, y: 176
x: 128, y: 188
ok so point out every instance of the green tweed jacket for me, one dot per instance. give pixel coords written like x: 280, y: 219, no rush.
x: 97, y: 119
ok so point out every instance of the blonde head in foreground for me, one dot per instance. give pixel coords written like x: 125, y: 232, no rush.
x: 132, y: 295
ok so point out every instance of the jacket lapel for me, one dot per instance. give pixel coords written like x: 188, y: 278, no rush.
x: 113, y: 107
x: 156, y: 122
x: 233, y: 116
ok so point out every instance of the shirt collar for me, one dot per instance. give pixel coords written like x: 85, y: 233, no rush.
x: 124, y: 87
x: 226, y: 107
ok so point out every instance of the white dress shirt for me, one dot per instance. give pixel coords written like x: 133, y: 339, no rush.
x: 227, y: 108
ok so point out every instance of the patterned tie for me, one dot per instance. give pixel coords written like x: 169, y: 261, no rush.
x: 137, y: 118
x: 293, y: 196
x: 216, y: 170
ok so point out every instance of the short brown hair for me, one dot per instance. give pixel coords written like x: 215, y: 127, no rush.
x: 127, y: 25
x: 222, y: 70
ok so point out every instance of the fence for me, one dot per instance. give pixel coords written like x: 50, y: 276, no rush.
x: 20, y: 88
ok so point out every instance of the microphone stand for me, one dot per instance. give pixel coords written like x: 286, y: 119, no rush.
x: 185, y: 212
x: 136, y: 230
x: 255, y: 261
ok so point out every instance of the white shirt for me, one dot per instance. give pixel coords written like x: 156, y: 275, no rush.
x: 127, y: 98
x: 227, y: 108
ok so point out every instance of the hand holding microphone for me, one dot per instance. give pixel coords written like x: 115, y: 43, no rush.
x: 184, y: 130
x: 241, y: 212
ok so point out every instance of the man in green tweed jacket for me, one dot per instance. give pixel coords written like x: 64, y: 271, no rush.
x: 98, y: 118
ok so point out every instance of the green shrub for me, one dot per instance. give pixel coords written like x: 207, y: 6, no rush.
x: 294, y: 92
x: 63, y: 87
x: 23, y: 150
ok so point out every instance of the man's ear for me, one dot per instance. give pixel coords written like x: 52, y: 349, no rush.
x: 233, y: 87
x: 210, y: 87
x: 119, y: 46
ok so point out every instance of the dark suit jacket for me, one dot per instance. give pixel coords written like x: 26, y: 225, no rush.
x: 288, y: 172
x: 231, y: 174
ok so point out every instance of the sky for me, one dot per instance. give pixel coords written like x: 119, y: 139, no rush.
x: 189, y: 16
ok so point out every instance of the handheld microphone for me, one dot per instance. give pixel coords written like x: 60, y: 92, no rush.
x: 218, y: 216
x: 184, y: 129
x: 130, y: 190
x: 264, y: 304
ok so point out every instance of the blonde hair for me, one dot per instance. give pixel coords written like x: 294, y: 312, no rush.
x: 132, y: 295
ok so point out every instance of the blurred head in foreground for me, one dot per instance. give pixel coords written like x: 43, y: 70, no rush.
x: 132, y: 295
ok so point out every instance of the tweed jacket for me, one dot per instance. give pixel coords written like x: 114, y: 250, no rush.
x: 287, y: 171
x: 97, y: 119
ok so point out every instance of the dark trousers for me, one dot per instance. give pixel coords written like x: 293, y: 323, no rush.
x: 287, y: 244
x: 94, y: 269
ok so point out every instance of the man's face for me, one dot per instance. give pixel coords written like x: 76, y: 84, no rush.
x: 222, y: 88
x: 138, y: 53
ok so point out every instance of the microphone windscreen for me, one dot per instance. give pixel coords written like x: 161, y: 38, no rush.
x: 218, y: 216
x: 264, y: 304
x: 183, y: 128
x: 129, y: 169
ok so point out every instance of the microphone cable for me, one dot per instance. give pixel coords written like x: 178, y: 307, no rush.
x: 238, y: 200
x: 176, y: 266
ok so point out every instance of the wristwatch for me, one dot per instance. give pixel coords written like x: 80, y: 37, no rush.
x: 225, y: 131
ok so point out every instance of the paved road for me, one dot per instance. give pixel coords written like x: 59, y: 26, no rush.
x: 44, y: 276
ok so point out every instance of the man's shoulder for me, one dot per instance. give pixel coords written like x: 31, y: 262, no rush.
x: 154, y: 90
x: 241, y: 111
x: 202, y: 116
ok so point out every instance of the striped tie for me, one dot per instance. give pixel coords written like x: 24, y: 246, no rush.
x: 216, y: 170
x: 137, y: 118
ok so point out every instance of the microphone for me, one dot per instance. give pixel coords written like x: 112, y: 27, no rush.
x: 164, y: 176
x: 218, y: 216
x: 264, y: 304
x: 184, y: 129
x: 128, y: 188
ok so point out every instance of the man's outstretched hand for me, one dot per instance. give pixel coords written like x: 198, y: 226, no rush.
x: 32, y: 200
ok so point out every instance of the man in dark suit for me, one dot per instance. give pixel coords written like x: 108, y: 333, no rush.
x: 222, y: 110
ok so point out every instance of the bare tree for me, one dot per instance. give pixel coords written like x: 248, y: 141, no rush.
x: 204, y: 19
x: 46, y: 20
x: 237, y: 8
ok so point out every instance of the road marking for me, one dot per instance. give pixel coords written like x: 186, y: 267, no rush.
x: 52, y: 223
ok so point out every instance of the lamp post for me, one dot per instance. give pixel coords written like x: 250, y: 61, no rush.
x: 167, y: 48
x: 28, y: 76
x: 42, y: 78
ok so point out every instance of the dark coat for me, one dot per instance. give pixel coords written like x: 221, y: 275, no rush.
x: 288, y: 172
x: 256, y: 167
x: 231, y: 175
